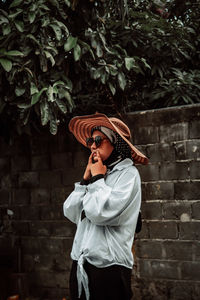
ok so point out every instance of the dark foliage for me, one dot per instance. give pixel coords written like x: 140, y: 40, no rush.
x: 60, y: 57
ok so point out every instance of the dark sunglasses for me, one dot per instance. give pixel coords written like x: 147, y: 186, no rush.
x: 97, y: 140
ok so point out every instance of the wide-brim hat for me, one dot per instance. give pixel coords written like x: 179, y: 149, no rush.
x: 81, y: 127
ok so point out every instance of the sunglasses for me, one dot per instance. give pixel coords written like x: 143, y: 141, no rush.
x: 97, y: 140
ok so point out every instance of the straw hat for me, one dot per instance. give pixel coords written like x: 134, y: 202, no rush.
x: 81, y: 127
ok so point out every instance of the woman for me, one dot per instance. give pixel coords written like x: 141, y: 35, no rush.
x: 105, y: 205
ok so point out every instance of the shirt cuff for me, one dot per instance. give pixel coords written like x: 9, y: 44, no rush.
x: 84, y: 182
x: 96, y: 177
x: 79, y: 187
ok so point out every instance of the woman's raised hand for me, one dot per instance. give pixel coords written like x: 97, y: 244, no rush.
x: 87, y: 175
x: 95, y: 168
x: 98, y: 167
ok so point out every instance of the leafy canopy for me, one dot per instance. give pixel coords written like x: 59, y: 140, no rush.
x: 62, y: 57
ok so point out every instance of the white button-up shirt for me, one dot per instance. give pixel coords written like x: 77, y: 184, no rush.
x: 111, y: 206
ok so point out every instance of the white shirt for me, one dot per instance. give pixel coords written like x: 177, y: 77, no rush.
x: 105, y: 235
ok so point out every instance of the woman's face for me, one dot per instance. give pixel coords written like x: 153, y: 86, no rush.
x: 105, y: 149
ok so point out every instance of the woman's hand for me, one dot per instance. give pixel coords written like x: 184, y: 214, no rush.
x: 98, y: 167
x: 87, y: 175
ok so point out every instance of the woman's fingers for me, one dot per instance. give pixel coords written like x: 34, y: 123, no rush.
x: 90, y: 158
x: 87, y: 173
x: 99, y: 157
x: 98, y: 167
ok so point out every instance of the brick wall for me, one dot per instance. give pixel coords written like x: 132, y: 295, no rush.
x: 37, y: 173
x: 168, y: 248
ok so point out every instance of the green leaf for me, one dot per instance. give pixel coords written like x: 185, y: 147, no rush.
x: 112, y: 88
x: 45, y: 21
x: 153, y: 70
x: 134, y: 43
x: 53, y: 126
x: 54, y: 3
x: 104, y: 78
x: 113, y: 70
x: 6, y: 29
x: 68, y: 84
x: 52, y: 49
x: 107, y: 69
x: 30, y: 36
x: 71, y: 43
x: 145, y: 63
x: 187, y: 99
x: 59, y: 82
x: 44, y: 7
x: 15, y: 3
x: 43, y: 63
x: 77, y: 52
x: 23, y: 105
x: 19, y: 91
x: 33, y: 6
x: 99, y: 50
x: 94, y: 42
x: 121, y: 80
x: 61, y: 104
x: 44, y: 111
x: 3, y: 20
x: 50, y: 56
x: 160, y: 72
x: 6, y: 64
x: 35, y: 98
x: 19, y: 25
x: 129, y: 63
x: 57, y: 30
x: 50, y: 94
x: 98, y: 73
x: 55, y: 90
x: 138, y: 70
x: 102, y: 38
x: 16, y: 13
x: 67, y: 2
x: 14, y: 53
x: 62, y: 26
x: 31, y: 16
x: 33, y: 89
x: 24, y: 115
x: 86, y: 48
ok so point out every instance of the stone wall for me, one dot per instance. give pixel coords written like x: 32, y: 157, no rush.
x: 37, y: 173
x: 168, y: 248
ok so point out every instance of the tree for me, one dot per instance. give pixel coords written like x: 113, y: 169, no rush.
x: 62, y: 57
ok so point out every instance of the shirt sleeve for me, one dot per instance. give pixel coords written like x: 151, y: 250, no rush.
x: 117, y: 205
x: 72, y: 206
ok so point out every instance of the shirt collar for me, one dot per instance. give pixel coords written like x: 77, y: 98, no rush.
x: 127, y: 162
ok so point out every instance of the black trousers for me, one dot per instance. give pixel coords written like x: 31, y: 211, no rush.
x: 110, y: 283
